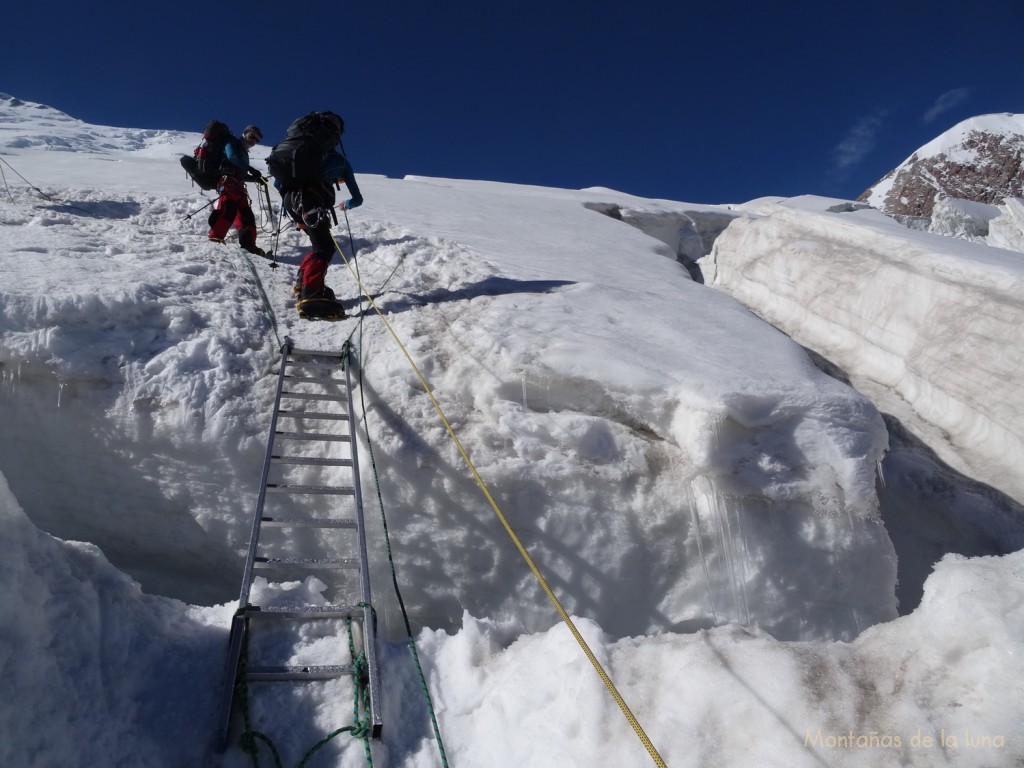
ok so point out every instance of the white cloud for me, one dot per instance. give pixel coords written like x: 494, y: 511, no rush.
x: 858, y: 142
x: 946, y: 102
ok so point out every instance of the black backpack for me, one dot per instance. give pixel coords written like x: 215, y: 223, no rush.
x: 206, y: 165
x: 295, y: 162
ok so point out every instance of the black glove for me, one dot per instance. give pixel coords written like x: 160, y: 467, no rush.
x: 255, y: 175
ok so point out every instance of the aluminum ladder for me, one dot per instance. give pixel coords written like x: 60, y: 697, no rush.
x: 301, y: 524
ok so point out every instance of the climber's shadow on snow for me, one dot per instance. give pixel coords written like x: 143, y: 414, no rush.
x: 491, y: 286
x: 99, y: 209
x: 364, y: 249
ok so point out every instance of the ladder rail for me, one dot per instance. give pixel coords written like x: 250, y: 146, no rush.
x: 369, y: 620
x: 363, y: 611
x: 261, y: 500
x: 236, y: 637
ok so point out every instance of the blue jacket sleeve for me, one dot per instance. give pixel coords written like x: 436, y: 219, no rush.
x: 337, y: 168
x: 353, y: 188
x: 236, y: 156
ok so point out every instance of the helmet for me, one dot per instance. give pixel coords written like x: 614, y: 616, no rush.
x: 338, y: 122
x: 252, y: 134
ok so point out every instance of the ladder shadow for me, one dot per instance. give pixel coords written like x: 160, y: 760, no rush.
x: 488, y: 550
x: 491, y: 286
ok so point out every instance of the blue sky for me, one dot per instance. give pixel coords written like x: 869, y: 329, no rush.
x: 701, y: 102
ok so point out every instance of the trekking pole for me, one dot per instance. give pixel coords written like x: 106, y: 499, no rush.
x: 270, y: 206
x: 199, y: 209
x: 277, y: 233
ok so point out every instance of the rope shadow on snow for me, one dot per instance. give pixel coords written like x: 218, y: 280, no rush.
x: 407, y: 520
x: 491, y: 286
x: 774, y: 710
x: 482, y: 573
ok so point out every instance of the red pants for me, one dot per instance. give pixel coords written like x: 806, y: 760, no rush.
x: 233, y: 210
x: 314, y: 266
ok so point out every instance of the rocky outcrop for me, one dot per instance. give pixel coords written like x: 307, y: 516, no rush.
x: 981, y: 160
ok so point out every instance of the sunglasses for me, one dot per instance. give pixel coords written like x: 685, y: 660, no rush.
x: 251, y: 138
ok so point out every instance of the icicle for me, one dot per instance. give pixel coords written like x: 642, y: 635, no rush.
x: 724, y: 539
x: 881, y: 472
x: 744, y: 557
x: 524, y: 391
x: 692, y: 501
x: 60, y: 391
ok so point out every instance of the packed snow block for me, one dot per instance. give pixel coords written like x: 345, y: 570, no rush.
x: 689, y: 234
x: 116, y: 394
x: 655, y: 498
x: 929, y: 326
x: 1006, y: 230
x: 962, y: 218
x: 124, y: 677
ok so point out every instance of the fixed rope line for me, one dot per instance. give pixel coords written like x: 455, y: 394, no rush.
x: 30, y: 184
x: 630, y: 717
x: 359, y: 729
x: 41, y: 193
x: 4, y: 177
x: 263, y: 296
x: 391, y: 562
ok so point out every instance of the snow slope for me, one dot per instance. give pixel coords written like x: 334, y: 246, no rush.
x: 698, y: 492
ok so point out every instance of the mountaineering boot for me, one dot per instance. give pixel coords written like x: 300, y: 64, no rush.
x: 213, y: 239
x: 255, y: 250
x: 319, y: 305
x: 320, y: 309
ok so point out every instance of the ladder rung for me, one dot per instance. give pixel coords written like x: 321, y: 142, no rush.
x: 306, y: 562
x: 307, y: 522
x: 315, y: 396
x: 311, y: 461
x: 335, y: 364
x: 318, y: 353
x: 271, y: 674
x: 313, y: 379
x: 328, y: 490
x: 312, y: 436
x: 306, y: 613
x: 314, y: 415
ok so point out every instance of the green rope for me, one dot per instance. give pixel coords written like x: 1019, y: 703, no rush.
x: 361, y: 694
x: 247, y: 742
x: 394, y: 579
x: 387, y: 536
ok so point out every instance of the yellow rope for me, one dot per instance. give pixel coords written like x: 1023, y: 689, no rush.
x: 512, y: 534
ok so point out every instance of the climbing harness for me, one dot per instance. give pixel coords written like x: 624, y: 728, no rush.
x: 265, y: 206
x: 317, y: 412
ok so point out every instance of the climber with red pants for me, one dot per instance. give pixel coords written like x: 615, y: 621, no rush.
x: 233, y: 208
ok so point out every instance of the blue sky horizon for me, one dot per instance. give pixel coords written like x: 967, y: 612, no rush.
x: 697, y: 104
